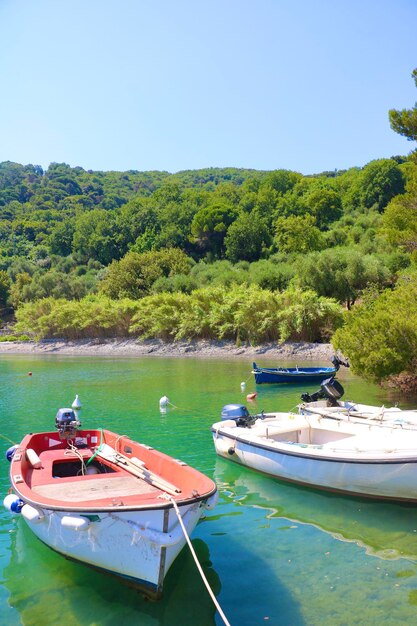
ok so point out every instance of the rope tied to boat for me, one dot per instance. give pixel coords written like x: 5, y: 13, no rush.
x: 200, y: 569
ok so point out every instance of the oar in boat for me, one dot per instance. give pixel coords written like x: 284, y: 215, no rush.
x: 137, y: 468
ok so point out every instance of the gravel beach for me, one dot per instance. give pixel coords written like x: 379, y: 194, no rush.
x: 196, y: 349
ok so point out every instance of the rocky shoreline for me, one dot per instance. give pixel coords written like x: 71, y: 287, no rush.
x: 196, y: 349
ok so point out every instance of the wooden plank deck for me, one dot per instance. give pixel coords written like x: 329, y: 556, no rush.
x: 80, y: 490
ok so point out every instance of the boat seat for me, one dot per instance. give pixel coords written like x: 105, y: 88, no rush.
x: 272, y: 430
x: 98, y: 487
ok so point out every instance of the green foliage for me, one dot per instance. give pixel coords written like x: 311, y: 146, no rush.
x: 379, y: 182
x: 209, y: 227
x: 404, y: 122
x: 134, y: 275
x: 297, y: 234
x: 400, y: 221
x: 96, y: 236
x: 342, y: 273
x: 242, y: 314
x: 246, y: 238
x: 93, y: 317
x: 380, y: 336
x: 67, y: 233
x: 325, y: 205
x: 5, y: 285
x: 4, y: 338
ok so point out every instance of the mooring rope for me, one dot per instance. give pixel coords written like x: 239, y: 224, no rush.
x: 200, y: 569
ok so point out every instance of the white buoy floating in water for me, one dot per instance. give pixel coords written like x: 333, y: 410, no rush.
x: 76, y: 405
x: 163, y: 402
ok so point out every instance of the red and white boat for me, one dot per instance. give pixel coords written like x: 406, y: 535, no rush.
x: 107, y: 501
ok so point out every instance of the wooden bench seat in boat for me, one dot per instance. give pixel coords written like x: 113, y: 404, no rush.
x: 88, y: 488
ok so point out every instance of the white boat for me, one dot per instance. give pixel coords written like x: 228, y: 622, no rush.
x: 107, y: 501
x: 355, y: 458
x: 327, y: 402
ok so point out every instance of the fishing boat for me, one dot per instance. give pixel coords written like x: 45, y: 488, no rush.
x: 327, y: 402
x: 107, y: 501
x: 303, y: 375
x: 354, y: 458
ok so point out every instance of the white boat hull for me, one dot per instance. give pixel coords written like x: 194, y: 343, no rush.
x: 377, y: 463
x: 139, y: 546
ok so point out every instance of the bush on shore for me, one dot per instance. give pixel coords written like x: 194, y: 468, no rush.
x: 244, y: 314
x: 380, y: 336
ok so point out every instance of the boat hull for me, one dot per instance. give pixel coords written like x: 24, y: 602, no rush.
x: 274, y: 375
x: 138, y: 546
x: 393, y: 478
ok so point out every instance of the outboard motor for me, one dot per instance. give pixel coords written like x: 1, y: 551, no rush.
x: 330, y: 390
x: 239, y: 413
x: 337, y: 362
x: 67, y: 423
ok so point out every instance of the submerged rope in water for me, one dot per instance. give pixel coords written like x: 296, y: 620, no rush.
x: 200, y: 569
x: 7, y: 439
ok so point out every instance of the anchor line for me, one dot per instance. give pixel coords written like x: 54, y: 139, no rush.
x: 200, y: 569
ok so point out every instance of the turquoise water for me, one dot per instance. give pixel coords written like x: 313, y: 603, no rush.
x: 273, y: 553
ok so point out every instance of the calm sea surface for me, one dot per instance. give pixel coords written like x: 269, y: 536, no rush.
x: 273, y: 553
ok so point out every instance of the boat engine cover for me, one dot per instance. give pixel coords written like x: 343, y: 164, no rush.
x: 332, y: 389
x: 67, y: 423
x: 234, y: 412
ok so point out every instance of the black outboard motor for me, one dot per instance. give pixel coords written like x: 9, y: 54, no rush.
x: 67, y: 423
x: 330, y: 390
x: 337, y: 362
x: 239, y: 413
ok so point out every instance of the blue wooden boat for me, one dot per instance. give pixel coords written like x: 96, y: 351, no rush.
x: 295, y: 374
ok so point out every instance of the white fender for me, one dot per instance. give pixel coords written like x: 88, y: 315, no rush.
x: 33, y: 458
x: 75, y: 522
x: 32, y: 515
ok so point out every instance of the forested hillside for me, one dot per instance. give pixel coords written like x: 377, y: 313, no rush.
x: 154, y: 249
x: 67, y: 232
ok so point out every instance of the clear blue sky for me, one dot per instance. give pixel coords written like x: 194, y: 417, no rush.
x: 170, y: 85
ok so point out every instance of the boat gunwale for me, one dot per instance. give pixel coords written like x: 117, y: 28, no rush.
x: 160, y: 501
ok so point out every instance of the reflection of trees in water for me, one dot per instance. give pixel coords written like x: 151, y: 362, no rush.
x: 386, y: 530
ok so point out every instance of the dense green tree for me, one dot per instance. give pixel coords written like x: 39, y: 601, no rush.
x: 325, y: 205
x: 60, y: 239
x: 379, y: 182
x: 342, y: 272
x: 400, y: 221
x: 297, y: 234
x: 246, y: 238
x: 134, y: 275
x: 96, y: 236
x: 380, y: 336
x: 209, y: 227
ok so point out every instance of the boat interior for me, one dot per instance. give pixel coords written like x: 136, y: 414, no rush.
x: 304, y: 435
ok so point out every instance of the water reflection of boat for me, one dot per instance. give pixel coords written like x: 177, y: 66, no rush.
x: 386, y: 530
